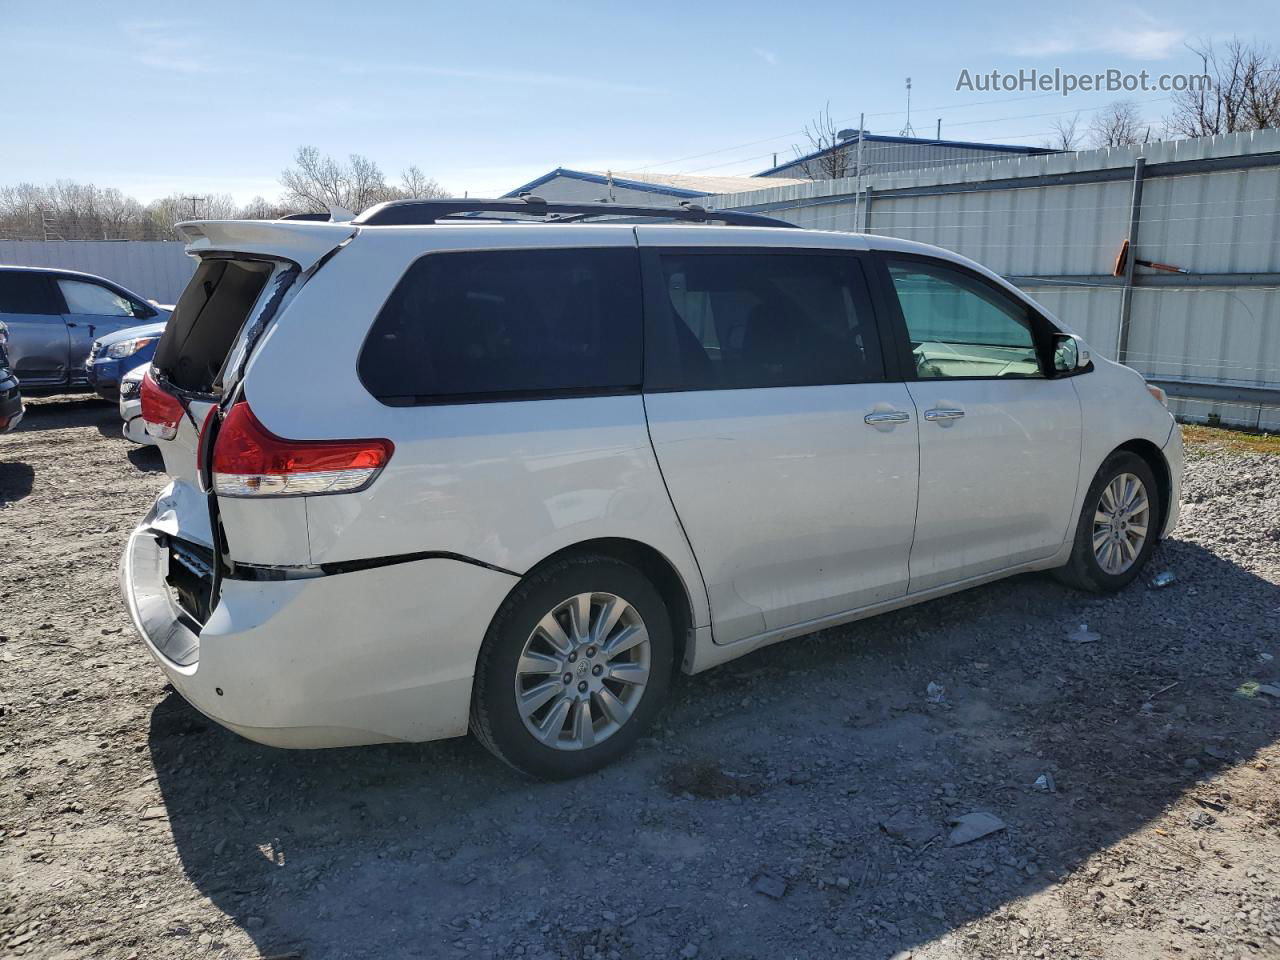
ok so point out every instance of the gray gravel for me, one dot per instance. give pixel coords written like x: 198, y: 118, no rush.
x: 797, y: 803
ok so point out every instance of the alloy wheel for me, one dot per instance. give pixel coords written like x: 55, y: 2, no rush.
x: 1120, y: 523
x: 582, y: 671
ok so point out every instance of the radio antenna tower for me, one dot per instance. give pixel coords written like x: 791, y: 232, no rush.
x: 908, y: 130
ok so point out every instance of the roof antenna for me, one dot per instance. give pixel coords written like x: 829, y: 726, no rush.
x: 908, y: 130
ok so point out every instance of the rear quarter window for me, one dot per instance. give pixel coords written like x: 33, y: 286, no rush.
x: 27, y: 293
x: 508, y: 324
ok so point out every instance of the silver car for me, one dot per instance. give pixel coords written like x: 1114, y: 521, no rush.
x: 131, y: 405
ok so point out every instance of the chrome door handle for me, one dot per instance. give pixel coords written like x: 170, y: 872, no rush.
x: 889, y: 416
x: 943, y: 413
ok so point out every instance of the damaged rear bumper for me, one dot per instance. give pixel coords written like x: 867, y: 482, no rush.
x: 367, y: 656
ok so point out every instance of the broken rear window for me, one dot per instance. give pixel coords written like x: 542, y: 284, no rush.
x: 207, y: 318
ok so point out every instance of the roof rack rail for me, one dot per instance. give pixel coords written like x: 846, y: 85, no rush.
x: 417, y: 212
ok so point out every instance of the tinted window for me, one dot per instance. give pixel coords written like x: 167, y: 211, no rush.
x: 959, y: 326
x: 95, y: 299
x: 25, y: 293
x: 508, y: 322
x: 735, y: 320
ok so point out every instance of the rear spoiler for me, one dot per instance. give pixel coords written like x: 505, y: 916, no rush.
x: 303, y: 242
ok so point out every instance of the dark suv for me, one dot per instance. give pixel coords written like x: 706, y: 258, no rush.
x: 54, y: 316
x: 10, y: 399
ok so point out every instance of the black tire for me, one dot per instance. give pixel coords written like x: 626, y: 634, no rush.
x: 495, y: 718
x: 1083, y: 570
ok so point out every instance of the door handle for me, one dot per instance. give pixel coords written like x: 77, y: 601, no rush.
x: 943, y: 414
x: 889, y: 416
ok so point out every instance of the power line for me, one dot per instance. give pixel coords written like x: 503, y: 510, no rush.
x: 885, y: 113
x: 892, y: 131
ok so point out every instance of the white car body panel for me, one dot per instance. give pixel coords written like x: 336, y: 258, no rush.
x: 488, y: 481
x: 998, y: 483
x: 303, y: 242
x: 266, y: 671
x: 795, y: 506
x: 779, y: 510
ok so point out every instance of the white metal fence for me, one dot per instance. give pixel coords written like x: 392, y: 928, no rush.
x: 156, y: 269
x: 1054, y: 225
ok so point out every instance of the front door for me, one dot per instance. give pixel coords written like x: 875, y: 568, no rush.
x: 38, y: 338
x: 791, y: 461
x: 999, y: 438
x: 94, y: 310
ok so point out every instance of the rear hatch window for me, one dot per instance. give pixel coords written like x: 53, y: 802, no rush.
x: 207, y: 319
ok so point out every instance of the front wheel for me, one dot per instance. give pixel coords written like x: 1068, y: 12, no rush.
x: 1117, y: 529
x: 574, y: 667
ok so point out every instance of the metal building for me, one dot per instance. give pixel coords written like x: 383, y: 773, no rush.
x: 1206, y: 328
x: 658, y: 189
x: 882, y: 155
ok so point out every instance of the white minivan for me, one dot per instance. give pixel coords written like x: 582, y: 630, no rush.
x: 442, y: 468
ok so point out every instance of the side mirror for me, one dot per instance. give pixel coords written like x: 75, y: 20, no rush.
x: 1069, y: 354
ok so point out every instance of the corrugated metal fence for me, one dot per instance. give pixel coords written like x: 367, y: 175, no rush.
x: 156, y: 269
x: 1054, y: 225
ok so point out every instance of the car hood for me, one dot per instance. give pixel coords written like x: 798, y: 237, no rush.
x: 153, y: 329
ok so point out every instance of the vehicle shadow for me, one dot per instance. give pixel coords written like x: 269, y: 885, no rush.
x: 146, y: 458
x: 16, y: 481
x: 787, y: 762
x: 70, y: 410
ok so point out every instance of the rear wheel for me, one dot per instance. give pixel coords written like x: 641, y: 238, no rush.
x: 1117, y: 528
x: 574, y: 667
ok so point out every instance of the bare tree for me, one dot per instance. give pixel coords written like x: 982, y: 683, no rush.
x: 1244, y: 91
x: 828, y: 160
x: 416, y: 185
x: 69, y: 210
x: 1117, y: 125
x: 316, y: 183
x: 119, y: 214
x: 1066, y: 134
x: 22, y: 212
x: 164, y: 213
x: 260, y: 208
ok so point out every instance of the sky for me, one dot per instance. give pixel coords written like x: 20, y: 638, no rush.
x: 158, y: 98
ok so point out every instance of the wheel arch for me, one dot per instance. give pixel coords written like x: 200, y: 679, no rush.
x: 662, y: 573
x: 1154, y: 459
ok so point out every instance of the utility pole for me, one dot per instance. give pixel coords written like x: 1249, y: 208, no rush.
x: 193, y: 204
x: 908, y: 130
x: 857, y: 168
x: 939, y: 136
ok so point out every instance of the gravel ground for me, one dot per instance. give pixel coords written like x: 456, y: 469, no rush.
x: 791, y: 804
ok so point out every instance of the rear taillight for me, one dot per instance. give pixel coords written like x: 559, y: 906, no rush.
x: 251, y: 461
x: 161, y: 410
